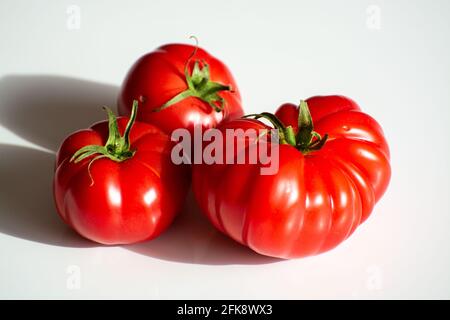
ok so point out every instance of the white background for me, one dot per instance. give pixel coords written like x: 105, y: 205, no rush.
x: 53, y: 80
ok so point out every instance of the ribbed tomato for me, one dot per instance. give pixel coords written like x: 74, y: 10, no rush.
x: 115, y: 182
x: 180, y: 86
x: 330, y: 177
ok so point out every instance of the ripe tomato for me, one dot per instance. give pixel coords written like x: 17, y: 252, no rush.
x: 118, y: 189
x: 180, y: 86
x: 330, y: 177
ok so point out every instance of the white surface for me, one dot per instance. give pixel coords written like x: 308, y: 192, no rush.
x: 279, y: 51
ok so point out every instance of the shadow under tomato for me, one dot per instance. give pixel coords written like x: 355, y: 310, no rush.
x: 44, y: 109
x: 192, y: 239
x: 26, y: 200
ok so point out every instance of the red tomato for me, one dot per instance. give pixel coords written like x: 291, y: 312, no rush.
x: 180, y: 86
x: 330, y: 177
x: 118, y: 189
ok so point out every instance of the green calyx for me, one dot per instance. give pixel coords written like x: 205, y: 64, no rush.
x: 117, y: 147
x: 306, y: 139
x: 200, y: 86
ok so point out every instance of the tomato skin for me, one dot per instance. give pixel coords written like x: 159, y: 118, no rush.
x: 315, y: 201
x: 124, y: 202
x: 158, y: 76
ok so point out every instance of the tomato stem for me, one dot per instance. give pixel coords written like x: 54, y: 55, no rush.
x: 199, y: 85
x: 117, y: 147
x: 306, y: 139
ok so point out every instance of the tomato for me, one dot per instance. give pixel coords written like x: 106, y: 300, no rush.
x: 333, y: 167
x: 115, y: 182
x: 180, y: 86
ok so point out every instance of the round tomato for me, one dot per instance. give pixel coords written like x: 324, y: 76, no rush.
x: 333, y: 166
x: 180, y: 86
x: 115, y: 182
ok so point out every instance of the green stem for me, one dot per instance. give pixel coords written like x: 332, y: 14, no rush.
x: 117, y: 147
x: 306, y: 139
x: 305, y: 125
x: 277, y: 124
x: 290, y: 135
x: 126, y: 135
x: 181, y: 96
x: 199, y: 86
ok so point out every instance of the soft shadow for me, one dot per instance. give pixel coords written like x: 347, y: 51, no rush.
x: 192, y: 239
x: 45, y: 109
x: 26, y: 201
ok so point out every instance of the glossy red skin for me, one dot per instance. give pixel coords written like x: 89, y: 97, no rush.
x: 130, y: 201
x: 159, y: 76
x: 315, y: 201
